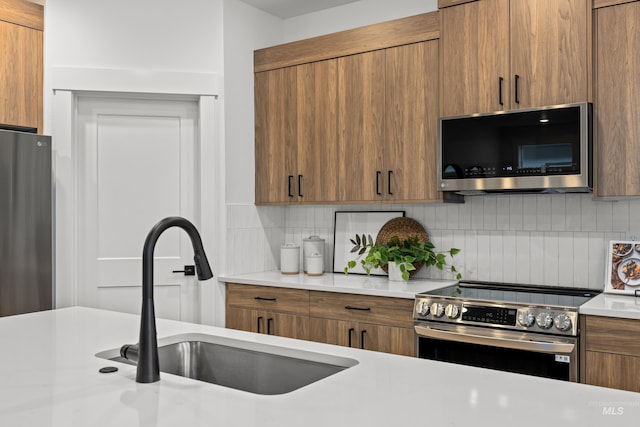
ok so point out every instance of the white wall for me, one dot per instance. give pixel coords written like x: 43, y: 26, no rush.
x: 353, y: 15
x: 141, y: 35
x: 245, y: 28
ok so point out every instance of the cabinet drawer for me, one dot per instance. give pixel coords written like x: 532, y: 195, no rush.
x: 284, y: 300
x: 362, y: 308
x: 612, y: 335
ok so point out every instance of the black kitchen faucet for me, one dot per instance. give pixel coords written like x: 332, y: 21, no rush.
x: 148, y: 369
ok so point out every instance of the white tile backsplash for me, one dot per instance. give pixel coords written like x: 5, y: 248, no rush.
x: 551, y: 239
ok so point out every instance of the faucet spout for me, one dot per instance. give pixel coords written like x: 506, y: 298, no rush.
x: 148, y: 366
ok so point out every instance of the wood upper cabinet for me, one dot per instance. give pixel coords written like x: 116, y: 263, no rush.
x: 510, y: 54
x: 387, y: 124
x: 475, y: 57
x: 317, y: 131
x: 357, y: 121
x: 21, y: 64
x: 296, y: 147
x: 361, y: 108
x: 616, y: 94
x: 611, y: 352
x: 411, y: 118
x: 276, y: 148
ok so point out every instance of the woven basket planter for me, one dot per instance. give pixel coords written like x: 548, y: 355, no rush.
x: 403, y: 228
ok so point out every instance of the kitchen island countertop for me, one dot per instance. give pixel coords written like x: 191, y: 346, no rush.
x: 49, y: 377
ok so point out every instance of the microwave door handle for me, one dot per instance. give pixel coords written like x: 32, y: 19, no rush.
x: 537, y: 346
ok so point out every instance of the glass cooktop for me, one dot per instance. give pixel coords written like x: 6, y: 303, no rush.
x: 522, y: 294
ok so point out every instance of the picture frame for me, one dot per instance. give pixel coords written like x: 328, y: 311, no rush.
x: 349, y: 223
x: 623, y: 267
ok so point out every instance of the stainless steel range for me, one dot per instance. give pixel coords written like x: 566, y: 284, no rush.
x: 525, y: 329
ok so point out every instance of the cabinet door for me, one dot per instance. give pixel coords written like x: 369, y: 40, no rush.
x: 411, y: 128
x: 333, y: 331
x: 361, y: 108
x: 550, y: 45
x: 268, y: 322
x: 317, y: 103
x: 387, y: 339
x: 475, y: 57
x: 276, y: 136
x: 613, y: 370
x: 21, y: 75
x: 241, y: 318
x: 616, y: 110
x: 287, y: 325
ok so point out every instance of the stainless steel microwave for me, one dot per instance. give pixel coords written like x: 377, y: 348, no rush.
x: 545, y: 149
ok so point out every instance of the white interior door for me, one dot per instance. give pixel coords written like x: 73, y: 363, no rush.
x: 138, y: 165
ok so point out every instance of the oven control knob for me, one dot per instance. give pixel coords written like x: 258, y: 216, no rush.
x: 452, y: 311
x: 544, y: 320
x: 424, y: 309
x: 526, y: 318
x: 437, y: 309
x: 562, y: 322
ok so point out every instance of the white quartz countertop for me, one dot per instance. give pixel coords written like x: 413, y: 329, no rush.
x: 611, y: 305
x: 49, y: 377
x: 338, y: 282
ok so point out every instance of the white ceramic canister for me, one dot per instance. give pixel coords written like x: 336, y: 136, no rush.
x: 311, y: 245
x: 289, y: 259
x: 315, y: 264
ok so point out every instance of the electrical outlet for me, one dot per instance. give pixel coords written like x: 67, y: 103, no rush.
x: 633, y: 235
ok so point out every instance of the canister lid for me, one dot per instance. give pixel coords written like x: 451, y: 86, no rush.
x: 313, y: 238
x: 289, y: 246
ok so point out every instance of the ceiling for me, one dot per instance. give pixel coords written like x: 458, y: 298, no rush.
x: 283, y: 8
x: 290, y: 8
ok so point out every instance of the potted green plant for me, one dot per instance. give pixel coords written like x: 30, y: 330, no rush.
x: 408, y: 254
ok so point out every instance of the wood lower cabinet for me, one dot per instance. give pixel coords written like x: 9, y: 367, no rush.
x: 611, y: 356
x: 268, y: 322
x: 268, y: 310
x: 367, y: 336
x: 616, y: 94
x: 367, y: 322
x: 359, y: 321
x: 21, y: 64
x: 509, y: 54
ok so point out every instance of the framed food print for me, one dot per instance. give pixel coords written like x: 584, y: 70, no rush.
x: 623, y: 267
x: 348, y: 224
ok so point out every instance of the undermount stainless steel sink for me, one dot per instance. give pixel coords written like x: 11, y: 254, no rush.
x: 242, y: 365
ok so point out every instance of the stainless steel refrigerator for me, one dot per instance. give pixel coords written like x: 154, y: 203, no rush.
x: 26, y: 219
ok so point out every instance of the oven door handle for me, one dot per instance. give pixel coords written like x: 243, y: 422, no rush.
x: 526, y: 345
